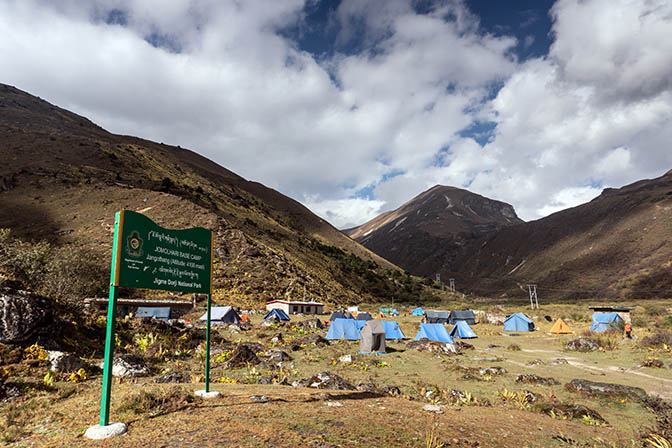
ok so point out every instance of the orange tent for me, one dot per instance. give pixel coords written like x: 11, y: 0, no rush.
x: 560, y: 327
x: 244, y: 318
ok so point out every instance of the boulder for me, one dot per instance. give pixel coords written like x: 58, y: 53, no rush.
x: 315, y: 339
x: 606, y: 389
x: 276, y: 355
x: 536, y: 379
x: 570, y: 411
x: 24, y: 316
x: 325, y: 380
x: 127, y: 366
x: 494, y: 319
x: 425, y: 345
x: 493, y: 371
x: 61, y: 362
x: 244, y: 354
x: 536, y: 362
x: 582, y: 345
x: 345, y: 358
x: 173, y: 377
x: 310, y: 324
x: 391, y: 390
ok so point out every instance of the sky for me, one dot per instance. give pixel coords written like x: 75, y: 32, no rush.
x: 354, y: 107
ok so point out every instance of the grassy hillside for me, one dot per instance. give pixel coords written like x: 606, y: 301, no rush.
x: 62, y: 179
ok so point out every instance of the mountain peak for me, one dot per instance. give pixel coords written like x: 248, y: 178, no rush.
x: 442, y: 216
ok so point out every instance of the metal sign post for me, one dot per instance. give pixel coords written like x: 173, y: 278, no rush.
x: 145, y: 255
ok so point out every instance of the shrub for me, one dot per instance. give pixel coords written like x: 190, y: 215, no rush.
x: 658, y: 340
x: 513, y: 348
x: 159, y: 402
x: 64, y: 273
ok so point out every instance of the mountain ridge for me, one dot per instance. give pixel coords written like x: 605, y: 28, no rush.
x: 65, y: 176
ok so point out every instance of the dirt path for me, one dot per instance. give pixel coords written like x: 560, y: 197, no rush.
x: 663, y: 390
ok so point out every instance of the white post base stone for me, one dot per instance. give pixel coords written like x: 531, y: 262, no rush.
x: 103, y: 432
x: 204, y: 394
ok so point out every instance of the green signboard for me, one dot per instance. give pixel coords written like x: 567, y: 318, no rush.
x: 156, y: 258
x: 145, y: 255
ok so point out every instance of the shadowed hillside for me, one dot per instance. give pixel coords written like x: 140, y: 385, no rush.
x: 62, y: 178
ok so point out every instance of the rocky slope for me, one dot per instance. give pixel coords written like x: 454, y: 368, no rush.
x: 62, y: 178
x: 426, y: 234
x: 617, y: 246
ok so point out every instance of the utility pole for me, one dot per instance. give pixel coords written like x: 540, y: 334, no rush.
x: 533, y: 296
x: 452, y: 284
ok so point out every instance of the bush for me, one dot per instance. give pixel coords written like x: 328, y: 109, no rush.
x: 64, y: 273
x: 159, y: 402
x: 640, y: 322
x: 657, y: 340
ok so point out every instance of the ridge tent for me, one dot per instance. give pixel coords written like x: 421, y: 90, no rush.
x: 372, y: 338
x: 364, y: 316
x: 466, y: 316
x: 518, y: 322
x: 434, y: 332
x: 392, y: 330
x: 340, y: 315
x: 157, y: 312
x: 606, y: 322
x: 418, y: 312
x: 344, y: 329
x: 462, y: 330
x: 222, y: 315
x: 560, y: 327
x: 437, y: 317
x: 277, y: 312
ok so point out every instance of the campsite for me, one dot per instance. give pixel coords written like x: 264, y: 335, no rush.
x: 277, y: 387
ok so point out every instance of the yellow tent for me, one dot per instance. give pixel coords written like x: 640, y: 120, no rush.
x: 560, y: 327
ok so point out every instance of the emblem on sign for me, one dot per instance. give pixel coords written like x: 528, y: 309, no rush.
x: 134, y: 245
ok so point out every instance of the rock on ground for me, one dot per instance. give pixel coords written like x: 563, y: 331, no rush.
x: 325, y: 380
x: 426, y: 345
x: 65, y: 362
x: 127, y: 366
x: 606, y: 389
x: 23, y: 316
x: 536, y: 379
x: 173, y: 377
x: 244, y: 354
x: 310, y: 324
x: 582, y: 345
x: 570, y: 411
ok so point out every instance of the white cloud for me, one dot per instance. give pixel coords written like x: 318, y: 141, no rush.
x: 595, y: 111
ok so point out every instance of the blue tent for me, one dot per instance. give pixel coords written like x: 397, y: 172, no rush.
x: 418, y: 312
x: 364, y: 316
x: 606, y: 322
x: 518, y: 322
x: 345, y: 329
x: 392, y: 330
x: 157, y: 312
x: 462, y: 330
x: 434, y: 332
x: 280, y: 314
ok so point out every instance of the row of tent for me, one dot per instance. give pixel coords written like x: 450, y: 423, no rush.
x: 517, y: 322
